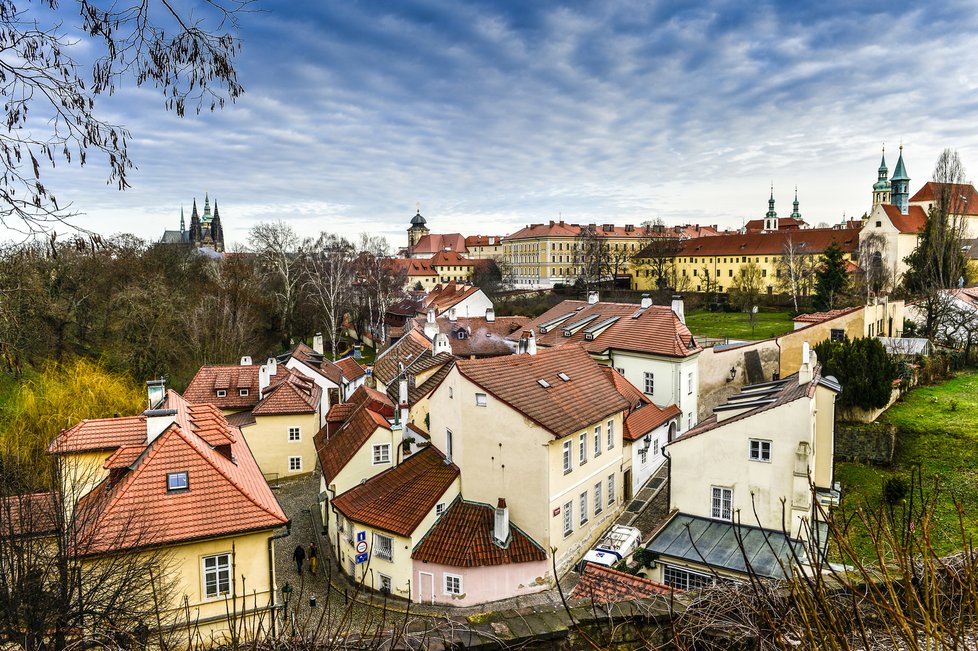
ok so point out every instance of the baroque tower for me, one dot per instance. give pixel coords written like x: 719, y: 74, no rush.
x: 417, y: 229
x: 881, y: 189
x: 771, y: 218
x: 900, y: 186
x: 794, y: 213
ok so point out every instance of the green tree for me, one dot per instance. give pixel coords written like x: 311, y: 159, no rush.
x: 831, y: 278
x: 863, y: 368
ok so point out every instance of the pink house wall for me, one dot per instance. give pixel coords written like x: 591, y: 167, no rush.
x: 479, y: 584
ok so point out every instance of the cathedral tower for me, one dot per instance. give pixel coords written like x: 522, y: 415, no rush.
x: 417, y: 229
x: 881, y: 189
x: 900, y: 186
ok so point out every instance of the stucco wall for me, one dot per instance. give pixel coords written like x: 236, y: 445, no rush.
x: 641, y: 472
x: 671, y: 377
x: 479, y: 584
x: 716, y: 385
x: 269, y: 441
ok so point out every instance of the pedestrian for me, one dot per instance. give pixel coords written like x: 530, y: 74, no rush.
x: 313, y: 558
x: 299, y: 556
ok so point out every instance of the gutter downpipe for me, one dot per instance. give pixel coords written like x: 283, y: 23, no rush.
x: 668, y: 475
x: 271, y: 570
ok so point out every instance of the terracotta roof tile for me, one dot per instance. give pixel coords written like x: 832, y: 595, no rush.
x: 463, y: 537
x: 912, y: 222
x: 450, y: 258
x: 100, y: 434
x: 336, y: 451
x: 963, y: 196
x: 566, y: 229
x: 317, y: 363
x: 30, y: 514
x: 442, y: 297
x: 809, y: 240
x: 562, y: 408
x: 481, y: 338
x: 818, y: 317
x: 784, y: 224
x: 203, y: 388
x: 414, y: 267
x: 645, y: 419
x: 405, y: 351
x: 629, y: 391
x: 352, y: 370
x: 434, y: 242
x: 398, y: 499
x: 483, y: 240
x: 604, y: 585
x: 293, y: 394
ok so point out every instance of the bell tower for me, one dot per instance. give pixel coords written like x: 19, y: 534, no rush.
x: 771, y: 218
x: 881, y: 189
x: 417, y: 229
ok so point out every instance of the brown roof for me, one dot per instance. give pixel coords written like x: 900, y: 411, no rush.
x: 565, y: 406
x: 352, y: 370
x: 655, y: 330
x: 480, y: 338
x: 405, y: 351
x: 912, y: 222
x: 463, y: 537
x: 30, y: 514
x: 784, y: 224
x: 203, y: 388
x: 443, y: 297
x: 643, y: 420
x: 566, y: 229
x: 483, y: 240
x: 629, y: 391
x: 604, y: 585
x: 337, y: 451
x: 963, y: 196
x: 318, y: 363
x: 292, y: 394
x: 818, y: 317
x: 418, y: 391
x: 434, y: 242
x: 810, y: 240
x: 398, y: 499
x: 414, y: 267
x: 450, y: 258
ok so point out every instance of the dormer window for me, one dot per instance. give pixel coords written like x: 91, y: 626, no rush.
x: 177, y: 481
x: 242, y: 392
x: 222, y: 393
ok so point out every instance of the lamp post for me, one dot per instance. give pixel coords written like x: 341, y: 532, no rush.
x: 287, y: 593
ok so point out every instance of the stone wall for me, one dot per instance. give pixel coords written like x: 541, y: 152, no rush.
x: 725, y: 370
x: 868, y: 443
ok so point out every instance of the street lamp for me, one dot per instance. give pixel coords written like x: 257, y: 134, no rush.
x: 287, y: 593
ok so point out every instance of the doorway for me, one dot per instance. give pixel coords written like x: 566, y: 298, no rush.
x: 627, y: 488
x: 426, y: 587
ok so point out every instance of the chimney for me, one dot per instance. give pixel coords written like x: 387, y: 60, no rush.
x: 646, y: 302
x: 441, y: 345
x: 592, y: 298
x: 155, y: 392
x: 263, y: 380
x: 500, y: 530
x: 272, y: 364
x: 808, y: 361
x: 452, y: 314
x: 246, y: 361
x: 157, y: 420
x: 317, y: 343
x: 430, y: 327
x: 531, y: 344
x: 402, y: 404
x: 677, y: 307
x: 490, y: 315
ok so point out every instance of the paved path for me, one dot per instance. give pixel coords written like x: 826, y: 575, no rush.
x: 650, y: 505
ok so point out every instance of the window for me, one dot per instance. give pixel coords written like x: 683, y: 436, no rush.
x: 649, y: 382
x: 583, y: 508
x: 439, y: 509
x: 722, y: 503
x: 449, y: 445
x: 383, y: 547
x: 582, y: 455
x: 879, y: 224
x: 567, y: 457
x: 177, y: 481
x: 295, y: 433
x: 837, y: 334
x: 222, y: 393
x: 385, y: 583
x: 621, y: 371
x: 453, y: 584
x: 684, y: 579
x: 643, y: 456
x: 450, y: 393
x: 689, y: 384
x: 597, y: 441
x: 655, y: 447
x: 242, y: 392
x: 611, y: 489
x: 295, y: 464
x: 349, y: 533
x: 217, y: 575
x: 611, y: 434
x: 760, y: 450
x: 568, y: 518
x: 598, y: 504
x: 480, y: 400
x: 382, y: 453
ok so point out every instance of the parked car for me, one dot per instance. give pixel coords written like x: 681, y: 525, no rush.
x: 619, y: 542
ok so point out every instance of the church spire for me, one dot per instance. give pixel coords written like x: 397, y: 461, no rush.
x: 794, y: 213
x: 217, y: 231
x: 771, y: 218
x: 881, y: 189
x: 207, y: 209
x: 900, y: 185
x: 183, y: 226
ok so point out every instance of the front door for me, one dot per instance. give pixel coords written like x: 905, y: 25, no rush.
x: 426, y: 587
x: 628, y: 485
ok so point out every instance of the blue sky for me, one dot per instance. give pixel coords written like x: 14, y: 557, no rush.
x: 493, y: 115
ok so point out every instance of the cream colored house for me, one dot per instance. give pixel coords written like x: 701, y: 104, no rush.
x: 741, y: 481
x: 137, y: 485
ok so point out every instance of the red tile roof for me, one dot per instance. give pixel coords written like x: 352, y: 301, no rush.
x: 566, y: 229
x: 351, y: 369
x: 414, y: 267
x: 604, y: 585
x: 810, y: 240
x: 784, y: 224
x: 406, y: 350
x: 818, y: 317
x: 337, y: 450
x: 203, y: 388
x: 293, y: 394
x: 318, y: 363
x: 481, y: 338
x: 398, y: 499
x: 100, y: 434
x: 566, y: 406
x: 434, y: 242
x: 30, y: 514
x: 912, y: 222
x: 655, y: 330
x: 463, y: 537
x: 483, y: 240
x: 645, y: 419
x: 450, y: 258
x: 963, y: 196
x: 442, y: 297
x: 628, y: 391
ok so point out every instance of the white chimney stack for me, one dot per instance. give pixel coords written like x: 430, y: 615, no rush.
x: 157, y: 420
x: 501, y: 525
x: 531, y: 344
x: 430, y: 327
x: 402, y: 404
x: 592, y: 298
x: 805, y: 372
x: 263, y: 380
x: 246, y: 361
x: 441, y: 344
x: 155, y: 392
x: 646, y: 301
x: 317, y: 343
x: 490, y: 315
x: 272, y: 364
x: 678, y: 308
x: 452, y: 314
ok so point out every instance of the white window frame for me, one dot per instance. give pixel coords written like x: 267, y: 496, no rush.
x: 170, y: 488
x: 480, y: 400
x: 583, y: 505
x: 582, y: 449
x: 383, y: 547
x: 689, y: 383
x: 568, y: 457
x: 721, y: 503
x: 683, y: 579
x: 381, y: 454
x: 759, y: 450
x: 243, y: 392
x: 295, y: 467
x: 452, y: 584
x: 221, y: 566
x: 386, y: 583
x: 440, y: 509
x: 568, y: 518
x: 222, y: 393
x: 611, y: 489
x: 597, y: 440
x: 649, y: 378
x: 449, y: 445
x: 598, y: 503
x: 295, y: 434
x: 611, y: 434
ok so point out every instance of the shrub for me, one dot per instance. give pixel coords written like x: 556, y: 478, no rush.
x: 864, y: 369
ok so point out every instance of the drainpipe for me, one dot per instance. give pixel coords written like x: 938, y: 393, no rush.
x: 665, y: 453
x: 271, y: 569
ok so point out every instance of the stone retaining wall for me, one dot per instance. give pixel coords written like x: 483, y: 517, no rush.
x: 867, y: 443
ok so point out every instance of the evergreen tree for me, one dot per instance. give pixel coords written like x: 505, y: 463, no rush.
x: 863, y: 368
x: 831, y: 279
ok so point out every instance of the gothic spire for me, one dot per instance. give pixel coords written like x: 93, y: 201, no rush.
x: 183, y: 226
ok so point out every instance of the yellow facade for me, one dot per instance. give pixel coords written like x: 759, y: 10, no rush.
x: 274, y: 448
x: 426, y: 282
x: 460, y: 273
x: 486, y: 251
x: 551, y: 259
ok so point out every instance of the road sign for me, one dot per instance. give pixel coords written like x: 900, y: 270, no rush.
x: 362, y: 547
x: 361, y: 558
x: 361, y: 535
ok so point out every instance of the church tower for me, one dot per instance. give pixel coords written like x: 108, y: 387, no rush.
x: 195, y: 230
x: 900, y: 186
x: 417, y: 229
x: 794, y: 213
x: 217, y: 231
x: 183, y: 225
x: 881, y: 189
x: 771, y: 218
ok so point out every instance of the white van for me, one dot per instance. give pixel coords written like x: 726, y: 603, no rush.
x: 619, y: 542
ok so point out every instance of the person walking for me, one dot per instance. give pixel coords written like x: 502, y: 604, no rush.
x: 313, y: 558
x: 299, y: 556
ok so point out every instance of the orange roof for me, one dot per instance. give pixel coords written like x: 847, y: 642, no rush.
x: 483, y: 240
x: 628, y: 391
x: 30, y: 514
x: 227, y: 495
x: 809, y: 240
x: 414, y: 267
x: 406, y: 350
x: 784, y: 224
x: 317, y: 363
x: 434, y: 242
x: 442, y: 297
x: 566, y: 229
x: 963, y: 196
x: 293, y: 394
x: 655, y: 330
x: 351, y: 369
x: 337, y: 450
x: 230, y: 378
x: 453, y: 258
x: 475, y: 336
x: 604, y: 585
x: 100, y: 434
x: 398, y: 499
x: 564, y: 406
x: 912, y: 222
x: 463, y: 537
x: 643, y: 420
x: 818, y: 317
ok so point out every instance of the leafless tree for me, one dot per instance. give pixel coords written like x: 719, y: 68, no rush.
x: 658, y: 251
x: 280, y: 252
x: 876, y: 278
x: 49, y: 95
x: 329, y: 267
x: 589, y: 257
x: 795, y: 271
x: 747, y: 289
x: 379, y: 284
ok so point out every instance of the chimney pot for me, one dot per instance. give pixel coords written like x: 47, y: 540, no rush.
x: 317, y: 343
x: 646, y: 301
x: 501, y: 523
x: 678, y: 307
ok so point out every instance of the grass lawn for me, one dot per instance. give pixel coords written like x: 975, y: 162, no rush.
x: 736, y: 325
x: 937, y: 431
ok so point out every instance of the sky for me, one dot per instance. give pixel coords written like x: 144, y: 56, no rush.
x: 494, y: 115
